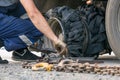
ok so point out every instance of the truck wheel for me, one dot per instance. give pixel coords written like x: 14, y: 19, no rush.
x: 113, y: 25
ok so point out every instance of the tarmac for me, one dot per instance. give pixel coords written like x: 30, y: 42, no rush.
x: 14, y: 70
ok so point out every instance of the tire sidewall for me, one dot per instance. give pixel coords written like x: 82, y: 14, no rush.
x: 112, y: 27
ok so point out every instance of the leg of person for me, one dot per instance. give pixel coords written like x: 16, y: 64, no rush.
x: 17, y: 34
x: 28, y: 38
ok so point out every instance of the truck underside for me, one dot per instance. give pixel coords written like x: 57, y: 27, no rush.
x: 45, y: 5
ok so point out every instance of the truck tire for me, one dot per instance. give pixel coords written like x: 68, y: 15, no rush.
x: 113, y: 25
x: 83, y: 29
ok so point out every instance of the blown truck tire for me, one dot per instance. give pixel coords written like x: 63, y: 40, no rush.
x: 83, y: 39
x: 113, y: 25
x: 82, y: 29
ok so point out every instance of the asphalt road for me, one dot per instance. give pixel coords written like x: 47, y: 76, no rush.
x: 14, y: 71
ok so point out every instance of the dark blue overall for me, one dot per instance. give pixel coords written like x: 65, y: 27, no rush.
x: 15, y: 32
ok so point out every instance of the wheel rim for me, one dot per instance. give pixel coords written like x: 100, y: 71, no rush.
x: 57, y: 27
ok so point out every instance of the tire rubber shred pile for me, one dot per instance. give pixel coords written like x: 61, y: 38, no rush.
x: 70, y: 66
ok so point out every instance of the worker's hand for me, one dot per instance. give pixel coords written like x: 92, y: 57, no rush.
x: 61, y: 47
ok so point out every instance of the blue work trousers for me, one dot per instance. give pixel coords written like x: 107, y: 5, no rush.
x: 15, y: 32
